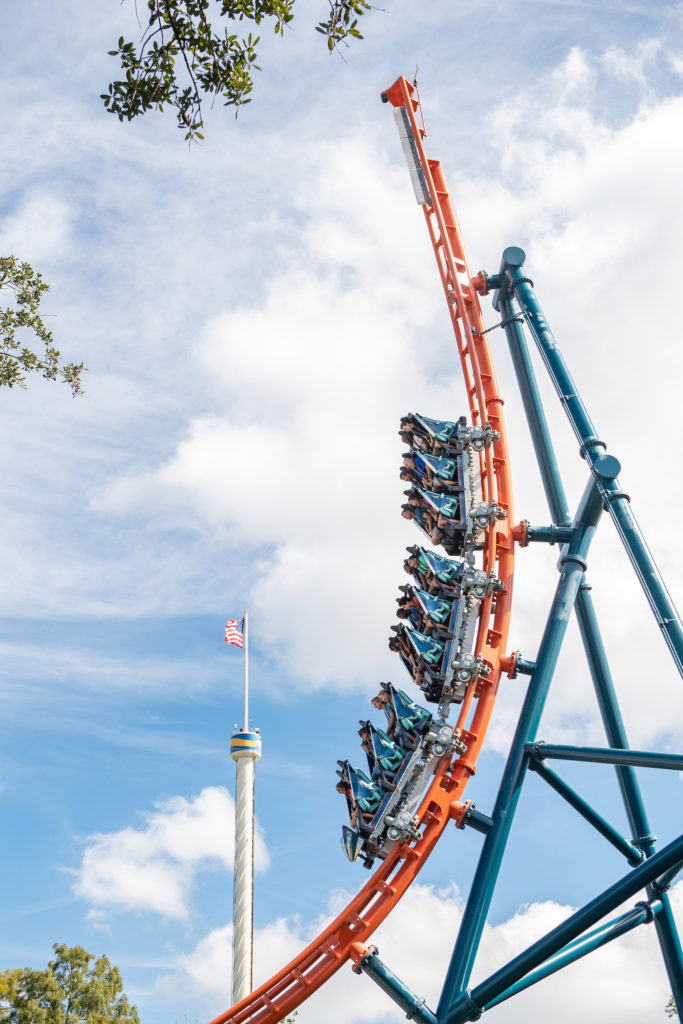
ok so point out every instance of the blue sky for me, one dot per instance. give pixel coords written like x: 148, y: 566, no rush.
x: 256, y: 313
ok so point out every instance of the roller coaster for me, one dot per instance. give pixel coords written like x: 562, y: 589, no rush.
x: 452, y: 637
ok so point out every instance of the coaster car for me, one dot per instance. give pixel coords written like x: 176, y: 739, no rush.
x: 423, y: 518
x: 434, y: 472
x: 378, y: 817
x: 447, y: 578
x: 385, y: 756
x: 435, y: 616
x: 363, y: 797
x: 407, y: 721
x: 433, y: 572
x: 442, y: 517
x: 423, y: 657
x: 442, y: 669
x: 437, y: 437
x: 368, y: 806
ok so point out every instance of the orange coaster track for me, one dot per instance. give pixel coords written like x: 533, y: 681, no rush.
x: 343, y: 939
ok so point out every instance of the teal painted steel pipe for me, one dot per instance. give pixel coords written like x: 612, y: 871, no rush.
x: 533, y: 408
x: 413, y: 1006
x: 604, y: 467
x: 549, y: 534
x: 642, y: 913
x: 670, y: 943
x: 631, y: 852
x: 667, y: 933
x: 572, y: 567
x: 663, y: 883
x: 477, y: 820
x: 612, y: 720
x: 639, y: 878
x: 606, y: 755
x: 588, y: 625
x: 526, y: 668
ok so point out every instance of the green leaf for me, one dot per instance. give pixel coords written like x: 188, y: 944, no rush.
x: 186, y: 53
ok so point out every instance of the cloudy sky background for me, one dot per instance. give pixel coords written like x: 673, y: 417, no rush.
x: 256, y: 313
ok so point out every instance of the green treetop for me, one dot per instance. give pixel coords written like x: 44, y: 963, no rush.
x: 76, y: 988
x: 21, y: 322
x: 189, y: 49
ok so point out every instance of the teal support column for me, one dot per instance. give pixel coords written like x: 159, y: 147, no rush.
x: 572, y: 566
x: 511, y: 281
x: 616, y: 501
x: 559, y: 510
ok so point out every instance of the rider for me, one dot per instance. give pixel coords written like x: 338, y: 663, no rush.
x: 402, y: 731
x: 383, y: 767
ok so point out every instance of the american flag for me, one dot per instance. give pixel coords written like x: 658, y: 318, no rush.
x: 234, y: 632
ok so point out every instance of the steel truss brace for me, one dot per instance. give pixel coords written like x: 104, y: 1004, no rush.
x: 651, y: 871
x: 456, y: 1003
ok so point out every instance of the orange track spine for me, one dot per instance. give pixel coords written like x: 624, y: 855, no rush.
x: 342, y: 940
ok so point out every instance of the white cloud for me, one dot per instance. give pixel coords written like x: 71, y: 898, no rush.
x: 153, y: 869
x: 83, y: 668
x: 302, y: 468
x: 305, y: 465
x: 293, y: 482
x: 623, y: 983
x: 575, y: 75
x: 634, y: 67
x: 38, y: 230
x: 595, y: 205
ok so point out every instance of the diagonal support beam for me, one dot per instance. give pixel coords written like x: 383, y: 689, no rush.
x: 413, y: 1006
x: 511, y: 266
x: 585, y: 612
x: 633, y: 855
x: 604, y: 467
x: 572, y: 566
x: 642, y: 913
x: 467, y: 1004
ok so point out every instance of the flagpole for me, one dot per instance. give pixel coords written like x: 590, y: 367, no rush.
x: 246, y: 671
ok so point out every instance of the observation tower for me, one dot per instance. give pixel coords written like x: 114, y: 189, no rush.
x: 245, y: 750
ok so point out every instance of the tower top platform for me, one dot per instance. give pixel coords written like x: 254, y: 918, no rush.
x: 245, y: 743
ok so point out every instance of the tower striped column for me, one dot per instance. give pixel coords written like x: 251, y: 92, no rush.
x: 245, y: 750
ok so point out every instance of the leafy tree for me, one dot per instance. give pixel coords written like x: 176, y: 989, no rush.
x: 189, y: 48
x: 24, y: 288
x: 76, y: 988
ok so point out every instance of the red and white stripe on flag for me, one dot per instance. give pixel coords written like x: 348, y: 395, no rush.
x: 234, y: 632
